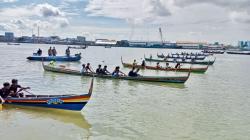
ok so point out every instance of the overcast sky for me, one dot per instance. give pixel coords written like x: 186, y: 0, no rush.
x: 226, y: 21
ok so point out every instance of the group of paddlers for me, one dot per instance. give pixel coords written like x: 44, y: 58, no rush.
x: 13, y: 90
x: 52, y: 52
x: 143, y: 64
x: 103, y: 71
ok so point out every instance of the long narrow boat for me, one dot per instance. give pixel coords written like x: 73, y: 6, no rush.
x: 214, y: 51
x: 181, y: 61
x: 181, y: 56
x: 239, y: 52
x: 76, y: 57
x: 163, y: 79
x: 64, y: 102
x: 194, y: 70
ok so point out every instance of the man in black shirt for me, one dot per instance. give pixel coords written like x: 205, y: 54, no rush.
x: 14, y: 87
x: 99, y: 69
x: 5, y: 91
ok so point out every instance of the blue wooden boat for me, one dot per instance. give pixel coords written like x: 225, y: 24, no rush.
x: 64, y: 102
x: 76, y: 57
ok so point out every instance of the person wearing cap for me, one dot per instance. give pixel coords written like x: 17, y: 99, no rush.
x: 14, y: 88
x: 5, y: 91
x: 99, y: 69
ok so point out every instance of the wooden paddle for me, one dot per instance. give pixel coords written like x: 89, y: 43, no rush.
x: 1, y: 104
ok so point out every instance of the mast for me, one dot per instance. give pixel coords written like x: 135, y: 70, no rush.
x: 161, y: 35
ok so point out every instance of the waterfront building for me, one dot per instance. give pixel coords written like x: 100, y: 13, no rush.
x: 9, y: 36
x: 105, y: 42
x: 1, y: 38
x: 191, y: 45
x: 81, y: 39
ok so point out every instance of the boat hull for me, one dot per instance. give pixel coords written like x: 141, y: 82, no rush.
x: 189, y: 62
x: 74, y: 103
x: 194, y: 70
x: 169, y: 79
x: 180, y: 57
x: 63, y: 102
x: 238, y: 52
x: 77, y: 57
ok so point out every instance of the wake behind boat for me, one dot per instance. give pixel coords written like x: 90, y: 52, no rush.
x: 75, y: 57
x: 163, y: 79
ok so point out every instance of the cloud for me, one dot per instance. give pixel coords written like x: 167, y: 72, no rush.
x: 47, y: 10
x: 242, y: 17
x: 238, y: 10
x: 29, y: 16
x: 136, y: 11
x: 8, y: 1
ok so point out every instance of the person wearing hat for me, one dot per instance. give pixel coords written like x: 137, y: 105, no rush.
x: 14, y: 88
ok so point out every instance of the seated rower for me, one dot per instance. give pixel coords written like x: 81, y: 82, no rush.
x: 88, y: 68
x: 143, y: 64
x: 117, y: 72
x: 134, y: 63
x: 158, y: 65
x: 99, y: 70
x: 105, y: 71
x: 52, y: 63
x: 83, y: 70
x: 5, y: 91
x: 178, y: 65
x: 167, y: 65
x: 132, y: 73
x: 39, y: 52
x: 14, y: 89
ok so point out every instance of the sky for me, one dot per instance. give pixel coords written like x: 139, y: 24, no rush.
x: 225, y: 21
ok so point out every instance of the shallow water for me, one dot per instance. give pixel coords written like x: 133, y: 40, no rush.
x: 214, y: 105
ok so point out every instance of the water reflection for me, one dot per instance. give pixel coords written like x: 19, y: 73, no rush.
x: 68, y: 117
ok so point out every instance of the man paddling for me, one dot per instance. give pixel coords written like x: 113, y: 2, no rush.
x: 105, y: 71
x: 99, y: 70
x: 14, y: 87
x: 132, y: 73
x: 5, y: 91
x: 117, y: 72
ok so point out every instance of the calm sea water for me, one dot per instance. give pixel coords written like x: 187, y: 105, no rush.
x: 214, y: 105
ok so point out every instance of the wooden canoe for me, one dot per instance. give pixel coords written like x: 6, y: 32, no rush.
x: 76, y: 57
x: 163, y: 79
x: 194, y: 70
x: 180, y: 61
x: 64, y: 102
x: 181, y: 56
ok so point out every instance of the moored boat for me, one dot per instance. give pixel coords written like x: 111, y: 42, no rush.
x: 76, y: 57
x: 214, y: 51
x: 64, y: 102
x: 239, y: 52
x: 194, y: 70
x: 181, y: 56
x: 200, y: 62
x: 163, y: 79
